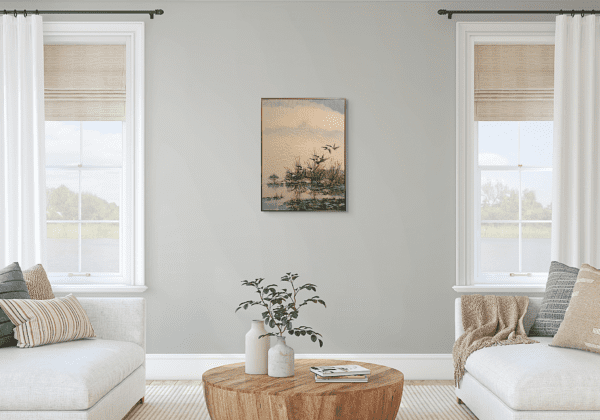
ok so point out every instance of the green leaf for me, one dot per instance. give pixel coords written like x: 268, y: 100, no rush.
x: 297, y: 333
x: 291, y: 332
x: 320, y: 343
x: 238, y: 309
x: 272, y: 324
x: 246, y: 306
x: 313, y: 338
x: 303, y: 332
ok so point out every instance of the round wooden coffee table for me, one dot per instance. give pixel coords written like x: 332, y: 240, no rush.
x: 232, y: 395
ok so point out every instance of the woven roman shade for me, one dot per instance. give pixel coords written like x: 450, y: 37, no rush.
x: 514, y: 82
x: 84, y: 82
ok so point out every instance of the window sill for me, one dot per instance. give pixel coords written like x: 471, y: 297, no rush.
x: 97, y: 288
x: 501, y: 288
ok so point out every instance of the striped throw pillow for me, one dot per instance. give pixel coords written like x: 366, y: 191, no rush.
x: 581, y: 326
x: 39, y: 322
x: 561, y: 280
x: 38, y: 284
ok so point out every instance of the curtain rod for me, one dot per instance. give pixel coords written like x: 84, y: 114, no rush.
x: 516, y: 12
x: 85, y: 12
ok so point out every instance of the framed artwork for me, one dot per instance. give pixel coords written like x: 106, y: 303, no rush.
x: 303, y: 154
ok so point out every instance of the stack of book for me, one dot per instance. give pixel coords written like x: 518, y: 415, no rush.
x: 343, y: 373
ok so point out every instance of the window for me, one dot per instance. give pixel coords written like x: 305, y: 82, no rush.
x: 94, y: 156
x: 84, y: 163
x: 504, y: 155
x: 514, y: 171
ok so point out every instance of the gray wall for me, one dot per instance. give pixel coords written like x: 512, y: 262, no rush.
x: 386, y: 267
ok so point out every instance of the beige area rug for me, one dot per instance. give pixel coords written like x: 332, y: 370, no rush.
x: 184, y: 400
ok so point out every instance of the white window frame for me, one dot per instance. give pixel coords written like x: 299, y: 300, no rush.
x: 131, y: 34
x: 467, y: 35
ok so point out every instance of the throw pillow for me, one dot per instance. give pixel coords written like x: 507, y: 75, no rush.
x: 40, y: 322
x: 12, y: 286
x: 37, y: 282
x: 559, y: 287
x: 581, y: 326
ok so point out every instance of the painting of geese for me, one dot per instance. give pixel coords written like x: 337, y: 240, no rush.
x: 303, y: 154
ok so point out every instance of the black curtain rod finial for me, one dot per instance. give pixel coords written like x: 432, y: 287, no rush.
x: 156, y: 12
x: 445, y: 12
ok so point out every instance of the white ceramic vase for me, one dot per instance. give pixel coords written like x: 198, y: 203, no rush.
x: 281, y: 359
x: 257, y: 350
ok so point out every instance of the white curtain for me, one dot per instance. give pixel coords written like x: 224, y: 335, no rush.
x: 22, y: 177
x: 576, y: 181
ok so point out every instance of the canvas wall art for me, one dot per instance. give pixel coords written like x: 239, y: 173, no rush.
x: 303, y: 154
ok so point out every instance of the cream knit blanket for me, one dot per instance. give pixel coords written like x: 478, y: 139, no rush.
x: 489, y: 321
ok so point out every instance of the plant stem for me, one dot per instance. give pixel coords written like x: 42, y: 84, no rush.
x: 294, y: 297
x: 269, y: 310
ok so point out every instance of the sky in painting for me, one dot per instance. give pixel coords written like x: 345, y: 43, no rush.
x: 298, y: 128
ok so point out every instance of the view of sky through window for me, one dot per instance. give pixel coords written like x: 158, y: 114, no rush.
x: 83, y: 190
x: 515, y: 169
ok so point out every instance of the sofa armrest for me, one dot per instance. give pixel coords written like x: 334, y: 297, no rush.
x: 458, y: 326
x: 120, y: 319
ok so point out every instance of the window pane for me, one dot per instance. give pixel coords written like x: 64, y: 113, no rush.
x: 100, y: 194
x: 100, y: 247
x: 499, y: 195
x: 536, y: 195
x: 498, y: 143
x: 499, y: 250
x: 536, y: 143
x: 63, y: 247
x: 536, y: 247
x: 62, y: 143
x: 62, y: 195
x: 102, y: 143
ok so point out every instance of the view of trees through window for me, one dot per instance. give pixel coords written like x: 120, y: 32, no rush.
x: 83, y: 196
x: 515, y: 213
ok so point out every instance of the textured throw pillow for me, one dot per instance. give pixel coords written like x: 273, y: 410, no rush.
x: 581, y: 326
x: 559, y: 287
x: 37, y: 282
x: 12, y: 286
x: 40, y: 322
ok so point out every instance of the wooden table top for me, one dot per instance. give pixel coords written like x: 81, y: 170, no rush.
x: 233, y: 378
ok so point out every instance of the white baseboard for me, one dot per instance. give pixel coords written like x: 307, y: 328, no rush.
x: 192, y: 366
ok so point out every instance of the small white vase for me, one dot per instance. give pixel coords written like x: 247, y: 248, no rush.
x: 257, y: 350
x: 281, y: 359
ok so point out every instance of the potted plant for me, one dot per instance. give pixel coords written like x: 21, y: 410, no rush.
x: 281, y: 311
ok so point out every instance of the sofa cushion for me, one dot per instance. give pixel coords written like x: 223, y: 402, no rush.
x: 12, y: 286
x: 40, y: 322
x: 538, y: 376
x: 581, y: 326
x: 559, y: 288
x: 65, y: 376
x: 38, y: 285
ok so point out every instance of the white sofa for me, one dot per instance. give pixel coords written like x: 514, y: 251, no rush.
x: 530, y: 381
x: 91, y: 379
